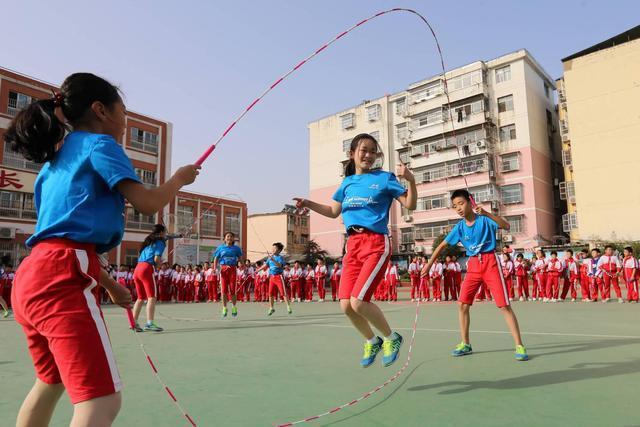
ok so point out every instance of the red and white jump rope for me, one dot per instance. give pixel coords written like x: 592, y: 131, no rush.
x: 210, y: 150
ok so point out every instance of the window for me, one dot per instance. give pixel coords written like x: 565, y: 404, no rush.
x: 131, y: 256
x: 209, y: 223
x: 569, y: 222
x: 405, y: 157
x: 465, y: 80
x: 566, y: 158
x: 185, y: 218
x: 304, y: 221
x: 503, y: 74
x: 515, y: 223
x: 348, y: 121
x: 547, y: 91
x: 375, y: 135
x: 17, y: 205
x: 146, y: 176
x: 568, y: 191
x: 429, y: 91
x: 432, y: 230
x: 505, y: 104
x: 17, y: 101
x: 402, y: 132
x: 430, y: 117
x: 346, y: 145
x: 16, y: 160
x: 407, y: 235
x: 401, y: 106
x: 232, y: 223
x: 507, y: 133
x: 139, y: 221
x: 464, y: 111
x: 509, y: 162
x: 432, y: 202
x: 143, y: 140
x: 373, y: 112
x: 511, y: 193
x: 485, y: 193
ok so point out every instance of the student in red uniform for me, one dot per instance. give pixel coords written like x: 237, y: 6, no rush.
x: 610, y: 266
x: 310, y: 282
x: 571, y: 276
x: 631, y: 272
x: 393, y: 279
x: 435, y: 273
x: 522, y: 282
x: 554, y: 271
x: 79, y: 196
x: 449, y: 272
x: 424, y: 282
x: 251, y: 279
x: 414, y: 277
x: 477, y: 232
x: 595, y: 276
x: 584, y: 276
x: 6, y: 282
x: 507, y: 271
x: 539, y: 274
x: 457, y: 278
x: 321, y: 277
x: 335, y: 280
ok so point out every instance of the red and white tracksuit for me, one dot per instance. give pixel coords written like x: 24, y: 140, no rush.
x: 554, y: 270
x: 335, y: 282
x: 610, y: 266
x: 507, y: 272
x: 571, y: 278
x: 457, y: 278
x: 595, y: 279
x: 414, y: 277
x: 296, y: 278
x: 436, y: 279
x: 631, y: 273
x: 321, y: 275
x: 539, y: 274
x: 211, y: 280
x: 423, y: 284
x: 449, y: 273
x: 522, y: 281
x: 584, y: 279
x: 309, y: 283
x: 393, y: 279
x: 5, y: 287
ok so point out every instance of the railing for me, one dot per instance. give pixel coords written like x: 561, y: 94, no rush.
x: 14, y: 160
x: 426, y: 233
x: 406, y: 238
x: 139, y: 225
x: 143, y: 146
x: 15, y: 210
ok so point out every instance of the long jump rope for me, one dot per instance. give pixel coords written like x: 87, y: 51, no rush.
x: 213, y: 146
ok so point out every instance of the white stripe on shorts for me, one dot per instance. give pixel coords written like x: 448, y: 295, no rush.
x: 376, y: 270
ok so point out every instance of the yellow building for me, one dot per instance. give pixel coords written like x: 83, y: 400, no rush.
x: 599, y: 106
x: 289, y: 227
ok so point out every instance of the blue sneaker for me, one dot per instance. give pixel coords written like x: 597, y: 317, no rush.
x: 370, y: 353
x: 462, y: 349
x: 391, y: 349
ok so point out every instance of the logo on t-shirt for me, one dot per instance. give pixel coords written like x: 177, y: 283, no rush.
x: 359, y: 202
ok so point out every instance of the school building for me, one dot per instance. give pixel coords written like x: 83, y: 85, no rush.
x: 499, y: 132
x: 290, y: 227
x: 148, y: 143
x: 598, y: 97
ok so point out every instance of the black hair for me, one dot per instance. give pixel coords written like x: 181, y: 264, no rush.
x: 628, y: 249
x: 570, y: 251
x: 461, y: 193
x: 585, y: 251
x: 554, y: 253
x: 230, y: 232
x: 36, y: 130
x: 259, y: 263
x: 595, y: 249
x: 543, y: 252
x: 153, y: 237
x: 608, y: 246
x: 519, y: 255
x: 508, y: 257
x: 350, y: 167
x: 279, y: 245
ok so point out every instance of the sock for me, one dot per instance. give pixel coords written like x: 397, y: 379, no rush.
x: 373, y: 340
x: 391, y: 337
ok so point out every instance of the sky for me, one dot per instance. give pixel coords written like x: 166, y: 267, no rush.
x: 198, y: 64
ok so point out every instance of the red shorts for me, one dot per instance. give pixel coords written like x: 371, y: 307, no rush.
x: 484, y: 268
x: 145, y: 281
x: 54, y: 299
x: 364, y: 265
x: 276, y: 282
x: 228, y: 280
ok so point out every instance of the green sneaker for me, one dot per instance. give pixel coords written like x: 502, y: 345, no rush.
x: 6, y: 314
x: 289, y: 309
x: 521, y: 353
x: 151, y: 326
x: 224, y: 311
x: 370, y: 353
x: 137, y: 328
x: 462, y: 349
x: 271, y: 311
x: 234, y: 311
x: 391, y: 349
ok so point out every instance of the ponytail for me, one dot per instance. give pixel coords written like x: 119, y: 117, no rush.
x: 35, y: 131
x: 153, y: 237
x: 38, y: 128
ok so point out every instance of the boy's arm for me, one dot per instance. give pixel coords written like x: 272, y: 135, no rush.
x: 119, y: 294
x: 502, y: 223
x: 434, y: 256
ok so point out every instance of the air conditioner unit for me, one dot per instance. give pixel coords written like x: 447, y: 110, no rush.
x: 418, y: 249
x: 482, y: 144
x: 492, y: 174
x: 572, y: 199
x: 404, y: 141
x: 507, y: 238
x: 410, y: 247
x: 407, y: 218
x: 7, y: 233
x: 403, y: 248
x: 565, y: 138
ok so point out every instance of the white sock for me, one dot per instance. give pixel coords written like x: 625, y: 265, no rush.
x: 391, y: 337
x: 373, y: 340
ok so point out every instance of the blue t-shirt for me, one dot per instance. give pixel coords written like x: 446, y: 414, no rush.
x: 149, y: 253
x: 274, y: 270
x: 478, y: 238
x: 366, y: 199
x: 75, y: 193
x: 228, y: 255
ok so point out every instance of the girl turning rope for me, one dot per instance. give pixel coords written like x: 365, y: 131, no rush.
x: 364, y: 199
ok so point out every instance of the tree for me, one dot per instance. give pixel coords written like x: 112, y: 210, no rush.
x: 448, y: 250
x: 313, y: 252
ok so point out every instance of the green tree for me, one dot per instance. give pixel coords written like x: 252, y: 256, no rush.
x: 449, y: 250
x: 313, y: 252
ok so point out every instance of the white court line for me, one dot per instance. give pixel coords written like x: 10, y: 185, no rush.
x: 560, y: 334
x: 280, y: 321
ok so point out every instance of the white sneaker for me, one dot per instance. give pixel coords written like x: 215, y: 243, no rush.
x: 605, y: 300
x: 620, y: 300
x: 531, y: 299
x: 573, y: 300
x: 521, y: 299
x: 413, y: 300
x: 510, y: 299
x: 545, y: 299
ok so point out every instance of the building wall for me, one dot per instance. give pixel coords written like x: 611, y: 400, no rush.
x: 285, y: 227
x: 602, y: 93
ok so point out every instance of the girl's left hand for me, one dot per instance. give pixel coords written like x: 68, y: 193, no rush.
x: 402, y: 171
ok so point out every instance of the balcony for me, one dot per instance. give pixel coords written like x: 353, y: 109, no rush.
x: 430, y: 233
x: 407, y: 238
x: 143, y: 146
x: 15, y: 160
x: 14, y: 209
x: 139, y: 225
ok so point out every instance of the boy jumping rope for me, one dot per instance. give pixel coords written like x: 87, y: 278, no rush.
x: 477, y: 233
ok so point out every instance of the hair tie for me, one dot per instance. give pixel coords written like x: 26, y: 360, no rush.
x: 58, y: 98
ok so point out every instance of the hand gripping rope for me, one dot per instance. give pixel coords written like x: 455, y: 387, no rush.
x: 210, y: 150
